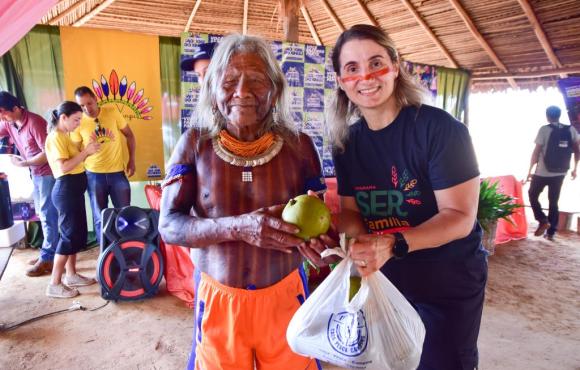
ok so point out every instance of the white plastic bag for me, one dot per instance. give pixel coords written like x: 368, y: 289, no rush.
x: 377, y: 330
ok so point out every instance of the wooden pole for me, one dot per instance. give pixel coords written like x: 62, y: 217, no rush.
x: 536, y: 74
x: 540, y: 34
x: 430, y: 32
x: 308, y: 20
x: 289, y: 14
x: 87, y: 17
x: 332, y: 15
x: 478, y: 36
x: 192, y: 15
x: 367, y: 13
x: 56, y: 20
x: 245, y: 22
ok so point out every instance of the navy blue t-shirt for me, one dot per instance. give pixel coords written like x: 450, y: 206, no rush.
x: 392, y: 173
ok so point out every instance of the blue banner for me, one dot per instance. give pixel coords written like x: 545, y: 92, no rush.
x: 570, y: 88
x: 312, y: 81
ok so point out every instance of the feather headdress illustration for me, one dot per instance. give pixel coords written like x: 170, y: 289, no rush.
x: 118, y: 91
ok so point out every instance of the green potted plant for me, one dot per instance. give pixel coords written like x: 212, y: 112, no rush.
x: 493, y: 206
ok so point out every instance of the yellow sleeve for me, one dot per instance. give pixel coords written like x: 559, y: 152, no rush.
x: 56, y: 148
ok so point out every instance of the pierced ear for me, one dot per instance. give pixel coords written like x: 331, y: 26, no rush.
x: 339, y: 82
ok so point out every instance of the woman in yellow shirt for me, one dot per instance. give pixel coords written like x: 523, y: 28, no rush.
x: 67, y: 164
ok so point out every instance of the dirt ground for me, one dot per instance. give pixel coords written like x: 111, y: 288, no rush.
x: 531, y: 317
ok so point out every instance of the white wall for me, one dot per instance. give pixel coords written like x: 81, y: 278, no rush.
x: 504, y: 126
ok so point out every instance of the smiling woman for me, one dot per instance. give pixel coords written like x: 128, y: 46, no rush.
x: 367, y: 76
x: 408, y: 183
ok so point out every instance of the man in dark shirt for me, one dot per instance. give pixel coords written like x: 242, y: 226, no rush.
x: 27, y: 131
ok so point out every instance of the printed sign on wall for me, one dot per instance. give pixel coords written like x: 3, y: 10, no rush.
x: 310, y: 77
x: 111, y: 63
x: 570, y: 88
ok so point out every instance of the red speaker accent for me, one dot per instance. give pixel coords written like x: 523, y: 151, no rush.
x: 130, y: 265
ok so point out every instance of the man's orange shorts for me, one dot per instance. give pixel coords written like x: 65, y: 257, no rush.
x: 237, y: 329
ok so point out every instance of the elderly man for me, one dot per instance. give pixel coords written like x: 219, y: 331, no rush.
x: 223, y: 196
x: 28, y: 132
x: 105, y: 169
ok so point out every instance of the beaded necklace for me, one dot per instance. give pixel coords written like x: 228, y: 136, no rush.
x: 247, y: 154
x: 246, y: 149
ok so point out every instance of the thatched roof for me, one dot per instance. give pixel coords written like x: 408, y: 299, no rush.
x: 505, y: 38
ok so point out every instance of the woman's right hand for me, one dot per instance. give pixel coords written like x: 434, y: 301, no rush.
x: 371, y: 252
x: 264, y: 228
x: 92, y: 148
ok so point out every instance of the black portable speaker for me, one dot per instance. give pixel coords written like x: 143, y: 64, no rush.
x: 130, y: 266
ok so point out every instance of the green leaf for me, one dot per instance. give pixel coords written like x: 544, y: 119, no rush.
x: 494, y: 205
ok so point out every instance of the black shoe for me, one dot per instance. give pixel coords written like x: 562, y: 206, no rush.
x: 542, y: 227
x: 549, y: 237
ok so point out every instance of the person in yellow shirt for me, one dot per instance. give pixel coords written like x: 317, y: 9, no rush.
x: 66, y: 163
x: 106, y: 169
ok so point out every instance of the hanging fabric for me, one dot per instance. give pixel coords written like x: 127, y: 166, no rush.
x: 169, y: 52
x: 9, y: 80
x: 17, y: 17
x: 32, y: 70
x: 452, y: 91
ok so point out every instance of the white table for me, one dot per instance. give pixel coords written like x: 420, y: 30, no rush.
x: 9, y: 238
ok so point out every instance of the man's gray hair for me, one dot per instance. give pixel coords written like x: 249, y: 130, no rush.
x: 210, y: 119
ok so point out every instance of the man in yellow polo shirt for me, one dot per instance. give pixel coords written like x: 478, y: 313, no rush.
x: 106, y: 171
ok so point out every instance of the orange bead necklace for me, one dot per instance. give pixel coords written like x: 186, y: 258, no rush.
x: 246, y: 149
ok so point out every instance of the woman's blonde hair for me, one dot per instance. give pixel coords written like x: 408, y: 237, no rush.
x: 343, y: 112
x: 210, y: 119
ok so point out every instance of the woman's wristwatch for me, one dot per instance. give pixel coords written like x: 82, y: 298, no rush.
x: 401, y: 248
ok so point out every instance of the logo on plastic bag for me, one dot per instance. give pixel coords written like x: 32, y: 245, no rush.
x: 347, y: 333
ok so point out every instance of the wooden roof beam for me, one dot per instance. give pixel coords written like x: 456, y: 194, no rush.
x: 333, y: 15
x: 537, y: 74
x: 478, y: 36
x: 540, y: 34
x: 87, y: 17
x: 289, y: 15
x: 192, y: 15
x: 308, y: 20
x: 245, y: 21
x: 56, y: 20
x: 430, y: 32
x: 368, y: 13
